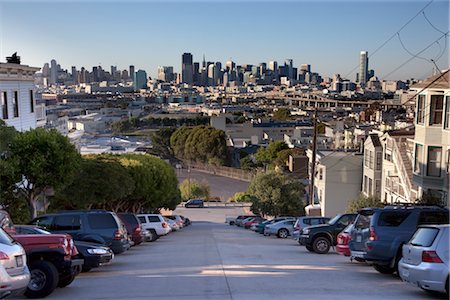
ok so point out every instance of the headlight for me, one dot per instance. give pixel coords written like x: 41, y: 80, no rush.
x: 305, y: 231
x: 97, y: 251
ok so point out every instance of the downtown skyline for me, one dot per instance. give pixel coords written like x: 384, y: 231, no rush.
x: 247, y: 32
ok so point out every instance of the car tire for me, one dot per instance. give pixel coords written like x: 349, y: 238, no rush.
x: 155, y: 236
x: 309, y: 248
x: 65, y: 281
x: 44, y: 279
x: 384, y: 269
x: 321, y: 245
x: 231, y: 223
x: 283, y: 233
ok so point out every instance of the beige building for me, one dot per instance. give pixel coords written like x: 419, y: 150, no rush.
x: 373, y: 162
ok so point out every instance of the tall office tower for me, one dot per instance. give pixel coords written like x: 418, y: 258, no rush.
x: 132, y: 72
x: 113, y: 70
x: 262, y: 68
x: 74, y: 74
x: 53, y: 71
x: 196, y: 74
x: 211, y: 72
x: 273, y: 66
x: 125, y: 75
x: 305, y: 68
x: 290, y: 68
x: 218, y: 73
x: 230, y: 65
x: 187, y: 75
x: 363, y: 68
x: 161, y: 73
x: 140, y: 80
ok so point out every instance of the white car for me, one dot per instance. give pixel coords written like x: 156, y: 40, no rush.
x: 155, y: 223
x: 173, y: 225
x: 14, y: 273
x: 425, y: 261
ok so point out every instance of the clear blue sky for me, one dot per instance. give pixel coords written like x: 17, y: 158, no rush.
x: 326, y: 34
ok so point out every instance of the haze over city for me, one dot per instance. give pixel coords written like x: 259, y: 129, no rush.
x: 148, y: 34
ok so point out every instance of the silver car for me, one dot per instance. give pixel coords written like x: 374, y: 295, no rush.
x: 425, y: 261
x: 281, y: 229
x: 14, y: 273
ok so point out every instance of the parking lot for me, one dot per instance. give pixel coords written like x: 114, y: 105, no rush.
x: 215, y: 261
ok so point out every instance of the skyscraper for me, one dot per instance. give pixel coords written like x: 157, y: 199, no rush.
x: 140, y: 80
x: 187, y: 68
x: 132, y: 72
x: 363, y: 68
x: 273, y: 66
x: 290, y: 68
x: 53, y: 71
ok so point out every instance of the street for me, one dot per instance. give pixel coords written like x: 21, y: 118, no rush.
x: 212, y: 260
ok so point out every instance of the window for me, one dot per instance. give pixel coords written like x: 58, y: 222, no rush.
x: 44, y: 222
x: 392, y: 219
x: 379, y: 161
x: 154, y: 219
x: 434, y: 161
x: 377, y: 186
x: 5, y: 105
x: 424, y: 237
x: 447, y: 113
x: 370, y: 186
x: 417, y: 159
x: 371, y: 159
x: 142, y: 219
x: 366, y: 158
x: 31, y: 101
x: 16, y: 104
x: 433, y: 217
x: 420, y: 109
x: 67, y: 222
x: 437, y: 106
x: 365, y: 184
x: 101, y: 221
x: 320, y: 173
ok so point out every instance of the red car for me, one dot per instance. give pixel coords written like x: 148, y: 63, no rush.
x: 255, y: 220
x: 133, y: 226
x: 342, y: 240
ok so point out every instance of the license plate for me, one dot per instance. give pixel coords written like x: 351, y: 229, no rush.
x: 19, y: 261
x: 358, y: 239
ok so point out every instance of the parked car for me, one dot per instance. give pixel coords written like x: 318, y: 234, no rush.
x: 195, y: 203
x: 425, y: 261
x: 94, y: 255
x: 14, y: 273
x: 281, y: 229
x: 155, y: 224
x: 241, y: 218
x: 380, y: 233
x: 173, y: 225
x: 95, y: 226
x: 261, y: 226
x: 342, y: 240
x: 303, y: 222
x: 133, y: 226
x: 319, y: 238
x: 252, y: 221
x: 186, y: 221
x: 177, y: 219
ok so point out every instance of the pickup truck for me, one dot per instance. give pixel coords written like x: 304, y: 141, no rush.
x: 51, y: 259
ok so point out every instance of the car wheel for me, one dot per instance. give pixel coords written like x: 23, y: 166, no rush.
x: 321, y: 245
x: 283, y: 233
x: 232, y: 223
x: 309, y: 248
x: 65, y: 281
x: 383, y: 269
x: 44, y: 278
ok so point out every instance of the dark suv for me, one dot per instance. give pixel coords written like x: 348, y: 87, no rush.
x: 97, y: 226
x: 133, y: 226
x: 380, y: 233
x: 319, y: 238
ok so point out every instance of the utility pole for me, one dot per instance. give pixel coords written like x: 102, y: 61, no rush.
x: 313, y: 160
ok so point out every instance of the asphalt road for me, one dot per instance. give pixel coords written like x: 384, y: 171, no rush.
x: 211, y: 260
x: 222, y: 187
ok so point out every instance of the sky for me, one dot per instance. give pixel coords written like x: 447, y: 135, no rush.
x: 329, y: 35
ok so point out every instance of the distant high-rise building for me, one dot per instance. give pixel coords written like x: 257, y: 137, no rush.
x: 53, y: 71
x: 113, y: 70
x: 289, y: 68
x: 363, y: 75
x: 211, y: 72
x: 305, y: 68
x: 125, y: 75
x: 165, y: 73
x: 140, y: 80
x: 273, y: 66
x: 187, y: 70
x: 74, y: 74
x: 230, y: 65
x: 132, y: 72
x: 196, y: 75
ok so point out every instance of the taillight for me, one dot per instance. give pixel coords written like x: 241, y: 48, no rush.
x: 117, y: 235
x: 431, y: 257
x: 138, y: 229
x: 164, y: 224
x: 373, y: 235
x: 3, y: 256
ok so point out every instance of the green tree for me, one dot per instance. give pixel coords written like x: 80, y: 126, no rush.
x: 242, y: 197
x: 178, y: 141
x: 247, y: 163
x: 283, y: 155
x: 363, y: 201
x: 161, y: 141
x: 193, y: 189
x: 281, y: 114
x: 275, y: 194
x: 45, y: 159
x: 268, y: 155
x: 430, y: 199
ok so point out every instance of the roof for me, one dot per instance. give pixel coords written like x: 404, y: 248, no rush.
x: 375, y: 140
x: 442, y: 83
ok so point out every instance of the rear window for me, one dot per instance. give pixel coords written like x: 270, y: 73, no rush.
x: 130, y: 218
x: 433, y: 217
x: 392, y: 219
x: 101, y: 221
x: 5, y: 239
x: 424, y: 237
x: 316, y: 221
x: 153, y: 219
x: 363, y: 221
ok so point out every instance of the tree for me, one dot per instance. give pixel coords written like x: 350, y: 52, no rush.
x: 161, y: 141
x: 242, y: 197
x: 430, y: 199
x: 283, y: 155
x: 267, y: 155
x: 178, y: 140
x: 247, y: 163
x: 45, y: 159
x: 281, y: 114
x: 194, y: 189
x: 362, y: 202
x: 275, y: 194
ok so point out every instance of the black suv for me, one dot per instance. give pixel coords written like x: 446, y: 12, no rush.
x: 319, y: 238
x: 380, y: 233
x: 96, y: 226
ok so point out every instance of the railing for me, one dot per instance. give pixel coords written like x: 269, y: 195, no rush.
x: 222, y: 204
x: 222, y: 171
x: 404, y: 178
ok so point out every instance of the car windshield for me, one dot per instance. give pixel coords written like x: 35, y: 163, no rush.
x: 334, y: 220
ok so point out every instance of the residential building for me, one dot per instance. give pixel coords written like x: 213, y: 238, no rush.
x: 373, y: 163
x: 17, y: 95
x: 432, y: 136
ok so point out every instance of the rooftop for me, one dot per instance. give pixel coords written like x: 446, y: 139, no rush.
x: 442, y: 81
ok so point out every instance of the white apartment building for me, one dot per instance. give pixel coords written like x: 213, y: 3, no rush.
x: 17, y: 96
x: 373, y: 163
x: 432, y: 136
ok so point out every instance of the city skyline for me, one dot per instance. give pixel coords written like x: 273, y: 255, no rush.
x: 264, y: 32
